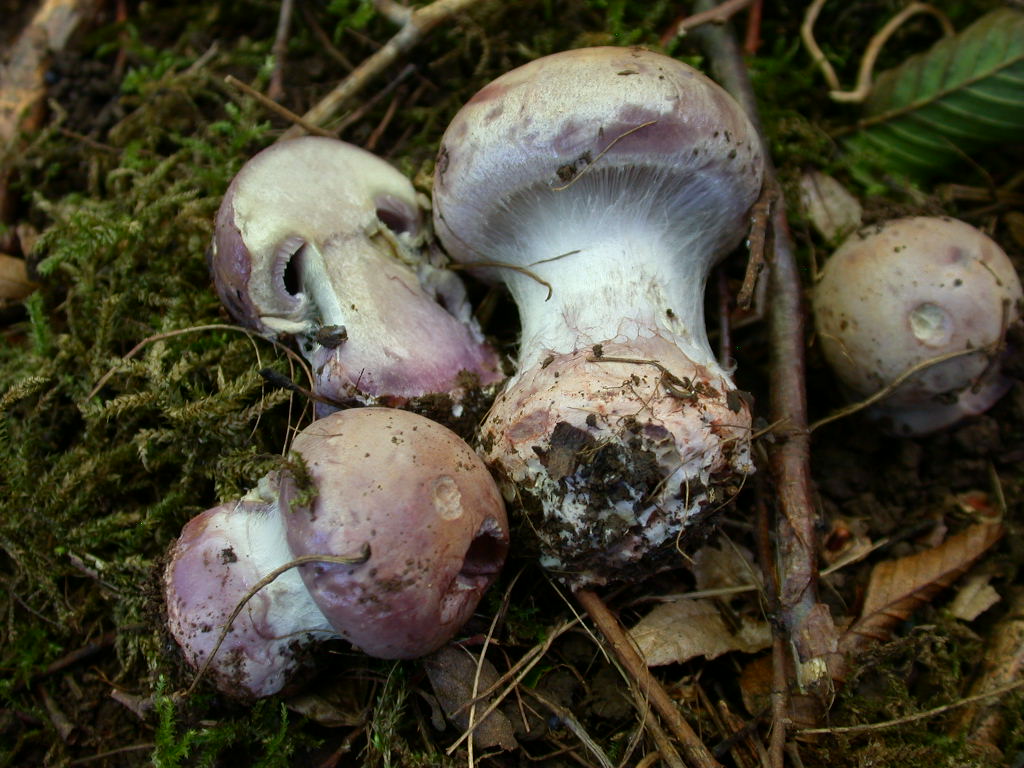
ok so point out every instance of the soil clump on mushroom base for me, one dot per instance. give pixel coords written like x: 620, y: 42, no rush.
x: 123, y: 181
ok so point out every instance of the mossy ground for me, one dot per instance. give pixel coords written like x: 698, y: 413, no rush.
x: 123, y: 181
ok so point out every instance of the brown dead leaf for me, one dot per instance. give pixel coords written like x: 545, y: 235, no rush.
x: 451, y: 671
x: 682, y: 630
x: 898, y: 587
x: 15, y: 284
x: 723, y: 567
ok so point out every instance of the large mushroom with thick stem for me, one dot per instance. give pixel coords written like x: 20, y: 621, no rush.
x: 398, y: 529
x: 320, y: 240
x: 600, y: 185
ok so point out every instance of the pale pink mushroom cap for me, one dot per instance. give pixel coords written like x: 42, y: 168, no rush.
x: 424, y: 504
x: 908, y: 291
x: 609, y: 181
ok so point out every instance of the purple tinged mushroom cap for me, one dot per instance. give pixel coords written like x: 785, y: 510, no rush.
x: 600, y: 185
x: 424, y: 504
x: 647, y: 136
x: 320, y: 239
x: 902, y: 293
x: 405, y: 498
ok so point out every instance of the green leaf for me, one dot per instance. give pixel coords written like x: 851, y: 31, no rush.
x: 964, y: 94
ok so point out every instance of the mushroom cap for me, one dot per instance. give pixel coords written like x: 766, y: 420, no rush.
x: 910, y: 290
x: 424, y: 504
x: 308, y: 190
x: 584, y: 125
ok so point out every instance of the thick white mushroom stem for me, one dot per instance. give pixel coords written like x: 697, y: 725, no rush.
x: 601, y: 185
x: 620, y: 425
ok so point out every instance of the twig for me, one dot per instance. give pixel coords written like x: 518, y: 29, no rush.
x: 273, y: 106
x: 281, y: 381
x: 752, y: 38
x: 867, y: 63
x: 419, y: 24
x: 602, y: 153
x: 808, y: 622
x: 395, y: 12
x: 629, y: 657
x: 717, y: 15
x: 362, y: 557
x: 892, y: 386
x: 917, y: 715
x: 181, y: 331
x: 573, y: 725
x: 760, y: 215
x: 279, y: 50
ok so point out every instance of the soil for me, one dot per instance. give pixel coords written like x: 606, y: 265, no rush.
x: 122, y: 180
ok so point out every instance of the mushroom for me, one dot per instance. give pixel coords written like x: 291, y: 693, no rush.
x: 402, y: 500
x: 320, y: 239
x: 600, y: 185
x: 898, y: 295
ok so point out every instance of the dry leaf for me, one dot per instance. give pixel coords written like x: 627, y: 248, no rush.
x: 14, y: 281
x: 832, y: 210
x: 452, y: 671
x: 723, y: 567
x: 898, y: 587
x: 974, y: 597
x: 682, y: 630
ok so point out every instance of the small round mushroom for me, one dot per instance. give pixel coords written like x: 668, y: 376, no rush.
x: 600, y: 185
x: 320, y: 239
x: 404, y: 499
x: 908, y: 291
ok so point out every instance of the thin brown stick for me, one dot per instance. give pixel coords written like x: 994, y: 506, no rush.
x: 273, y: 106
x: 717, y: 15
x: 279, y: 50
x: 196, y: 328
x: 419, y: 24
x: 809, y: 624
x: 760, y: 216
x: 917, y: 716
x: 629, y: 657
x: 602, y: 153
x: 752, y: 38
x: 892, y: 386
x: 362, y: 557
